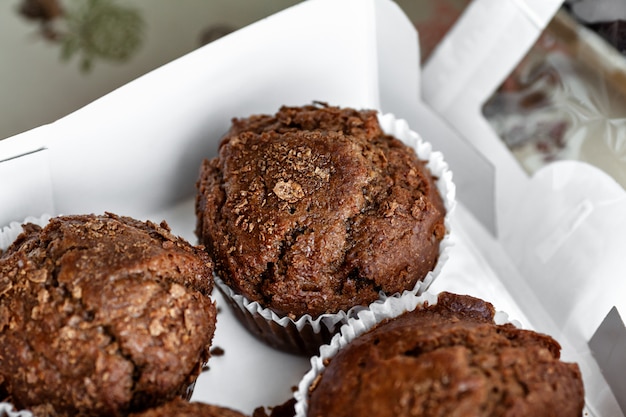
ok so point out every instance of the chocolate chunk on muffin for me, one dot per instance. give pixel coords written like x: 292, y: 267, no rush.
x: 182, y: 408
x: 448, y: 359
x: 315, y: 209
x: 102, y: 315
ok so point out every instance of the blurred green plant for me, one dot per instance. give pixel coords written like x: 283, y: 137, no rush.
x: 101, y: 29
x: 90, y: 29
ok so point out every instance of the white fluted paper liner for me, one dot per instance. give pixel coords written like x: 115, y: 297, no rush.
x: 7, y: 410
x: 9, y: 233
x: 305, y: 334
x: 365, y: 320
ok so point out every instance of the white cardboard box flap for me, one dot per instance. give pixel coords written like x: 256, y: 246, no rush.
x: 472, y: 60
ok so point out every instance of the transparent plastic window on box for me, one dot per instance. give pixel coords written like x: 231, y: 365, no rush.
x: 566, y: 100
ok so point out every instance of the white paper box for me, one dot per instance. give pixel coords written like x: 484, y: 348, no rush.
x: 137, y: 152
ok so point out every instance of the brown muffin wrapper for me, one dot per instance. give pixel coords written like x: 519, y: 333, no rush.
x: 302, y: 336
x: 305, y: 335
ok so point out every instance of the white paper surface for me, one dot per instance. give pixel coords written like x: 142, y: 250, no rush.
x: 474, y: 174
x: 472, y: 60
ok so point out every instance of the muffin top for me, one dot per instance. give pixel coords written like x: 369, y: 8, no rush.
x: 182, y: 408
x: 315, y: 209
x: 102, y: 315
x: 448, y: 359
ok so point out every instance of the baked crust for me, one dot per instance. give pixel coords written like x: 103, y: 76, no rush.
x: 102, y: 315
x: 449, y: 359
x: 315, y: 210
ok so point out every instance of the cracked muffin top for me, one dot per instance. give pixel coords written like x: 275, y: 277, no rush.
x: 448, y: 359
x: 102, y: 315
x: 315, y: 209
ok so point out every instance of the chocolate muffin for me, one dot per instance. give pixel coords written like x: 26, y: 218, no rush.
x: 102, y: 315
x: 448, y: 359
x: 315, y: 209
x: 182, y: 408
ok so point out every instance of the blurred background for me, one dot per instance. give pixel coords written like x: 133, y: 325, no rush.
x: 58, y: 55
